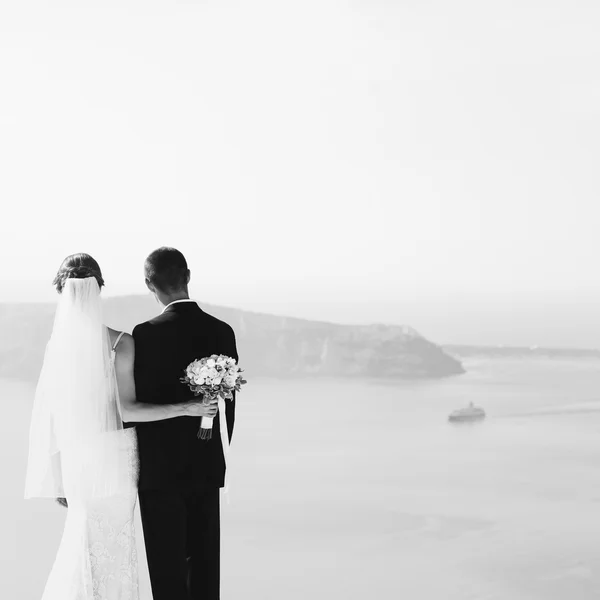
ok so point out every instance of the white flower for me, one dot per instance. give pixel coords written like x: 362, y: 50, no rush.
x: 213, y: 371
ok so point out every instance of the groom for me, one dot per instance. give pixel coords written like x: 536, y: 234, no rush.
x: 180, y: 475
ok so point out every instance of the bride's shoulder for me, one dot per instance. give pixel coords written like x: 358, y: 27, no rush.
x: 121, y: 338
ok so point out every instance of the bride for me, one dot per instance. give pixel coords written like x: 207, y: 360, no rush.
x: 79, y: 449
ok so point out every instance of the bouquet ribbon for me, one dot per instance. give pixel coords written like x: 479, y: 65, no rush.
x: 224, y: 442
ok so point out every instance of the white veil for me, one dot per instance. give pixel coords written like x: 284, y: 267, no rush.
x: 76, y: 442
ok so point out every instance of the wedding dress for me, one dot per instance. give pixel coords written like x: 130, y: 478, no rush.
x: 80, y: 451
x: 97, y: 557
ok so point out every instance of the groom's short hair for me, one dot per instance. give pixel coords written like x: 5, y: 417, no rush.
x: 166, y: 269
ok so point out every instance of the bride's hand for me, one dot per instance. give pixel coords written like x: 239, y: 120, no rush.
x: 199, y: 409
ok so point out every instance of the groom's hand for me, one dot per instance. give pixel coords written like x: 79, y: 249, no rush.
x: 199, y: 409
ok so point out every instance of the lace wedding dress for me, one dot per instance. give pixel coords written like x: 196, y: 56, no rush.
x: 97, y: 558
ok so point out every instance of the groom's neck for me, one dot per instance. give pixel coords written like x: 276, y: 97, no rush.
x: 166, y: 299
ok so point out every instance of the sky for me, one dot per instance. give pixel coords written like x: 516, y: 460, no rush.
x: 426, y: 163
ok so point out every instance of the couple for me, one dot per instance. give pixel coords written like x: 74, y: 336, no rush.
x: 112, y: 422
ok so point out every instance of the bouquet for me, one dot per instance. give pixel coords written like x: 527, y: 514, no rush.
x: 213, y: 378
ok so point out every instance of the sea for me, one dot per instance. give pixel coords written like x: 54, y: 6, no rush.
x: 354, y: 489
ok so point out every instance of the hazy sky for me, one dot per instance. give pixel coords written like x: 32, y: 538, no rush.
x: 430, y: 163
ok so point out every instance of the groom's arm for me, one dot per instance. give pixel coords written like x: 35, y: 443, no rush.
x: 228, y: 348
x: 143, y: 371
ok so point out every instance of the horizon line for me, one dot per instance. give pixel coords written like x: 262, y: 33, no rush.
x: 495, y: 346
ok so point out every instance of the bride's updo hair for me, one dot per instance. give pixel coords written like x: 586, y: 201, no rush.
x: 77, y: 266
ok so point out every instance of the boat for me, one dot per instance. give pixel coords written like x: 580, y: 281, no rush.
x: 469, y: 413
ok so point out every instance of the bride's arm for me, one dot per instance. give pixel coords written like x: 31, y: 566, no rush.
x: 139, y: 412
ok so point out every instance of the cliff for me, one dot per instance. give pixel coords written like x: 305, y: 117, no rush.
x: 268, y: 345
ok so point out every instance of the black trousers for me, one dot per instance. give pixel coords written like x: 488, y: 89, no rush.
x: 182, y: 531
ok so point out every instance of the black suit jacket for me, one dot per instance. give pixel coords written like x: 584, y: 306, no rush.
x: 171, y: 455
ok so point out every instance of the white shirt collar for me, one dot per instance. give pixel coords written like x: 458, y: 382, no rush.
x: 177, y: 302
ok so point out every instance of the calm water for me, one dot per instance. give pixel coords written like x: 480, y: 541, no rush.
x: 342, y: 489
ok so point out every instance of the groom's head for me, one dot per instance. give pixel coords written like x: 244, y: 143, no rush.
x: 167, y: 275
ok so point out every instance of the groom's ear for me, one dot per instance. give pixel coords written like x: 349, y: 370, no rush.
x: 149, y: 285
x: 188, y: 277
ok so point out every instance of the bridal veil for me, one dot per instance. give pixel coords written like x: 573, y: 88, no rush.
x: 76, y: 441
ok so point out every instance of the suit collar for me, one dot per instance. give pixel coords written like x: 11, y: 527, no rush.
x: 180, y: 305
